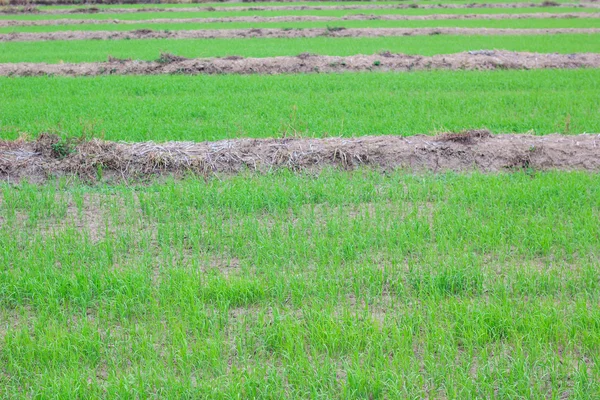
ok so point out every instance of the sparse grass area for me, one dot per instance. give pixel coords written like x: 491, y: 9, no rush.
x: 149, y: 49
x: 197, y: 108
x: 467, y: 23
x: 329, y: 13
x: 342, y: 285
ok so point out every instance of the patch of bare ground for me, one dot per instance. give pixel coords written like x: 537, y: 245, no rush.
x: 308, y: 63
x: 89, y: 219
x: 278, y: 33
x: 465, y: 151
x: 299, y: 18
x: 366, y: 6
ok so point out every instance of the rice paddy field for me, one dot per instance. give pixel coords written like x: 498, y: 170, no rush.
x: 334, y: 200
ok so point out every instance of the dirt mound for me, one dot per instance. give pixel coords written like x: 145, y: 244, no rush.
x: 255, y: 3
x: 94, y: 10
x: 464, y: 151
x: 465, y: 137
x: 300, y: 18
x: 307, y: 63
x: 168, y: 58
x: 279, y: 33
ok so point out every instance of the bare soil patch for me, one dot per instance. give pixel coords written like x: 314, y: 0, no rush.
x: 366, y: 6
x: 464, y: 151
x: 298, y: 18
x: 307, y: 63
x: 279, y: 33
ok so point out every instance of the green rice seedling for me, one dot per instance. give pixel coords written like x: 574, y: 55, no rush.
x: 336, y: 284
x: 522, y: 23
x: 197, y: 108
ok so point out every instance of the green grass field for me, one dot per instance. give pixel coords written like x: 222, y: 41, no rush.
x: 150, y: 49
x: 325, y: 285
x: 468, y: 23
x: 197, y: 108
x: 342, y: 285
x: 325, y: 13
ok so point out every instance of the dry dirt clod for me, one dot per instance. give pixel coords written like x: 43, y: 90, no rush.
x: 464, y: 137
x: 233, y: 58
x: 112, y: 59
x: 168, y: 58
x: 142, y: 32
x: 305, y: 56
x: 89, y: 10
x: 45, y: 143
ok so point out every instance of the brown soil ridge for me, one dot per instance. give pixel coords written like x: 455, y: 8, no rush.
x: 308, y: 63
x: 34, y: 3
x: 475, y: 150
x: 96, y: 10
x: 279, y: 33
x: 300, y: 18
